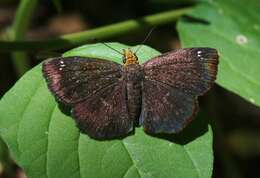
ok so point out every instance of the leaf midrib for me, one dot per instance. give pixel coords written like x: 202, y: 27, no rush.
x: 130, y: 157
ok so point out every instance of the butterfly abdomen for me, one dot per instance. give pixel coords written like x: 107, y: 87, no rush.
x: 134, y: 77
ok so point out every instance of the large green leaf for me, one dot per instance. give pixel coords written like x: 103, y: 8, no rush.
x: 235, y: 31
x: 46, y: 142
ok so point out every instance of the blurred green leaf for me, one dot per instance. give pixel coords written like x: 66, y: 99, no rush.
x: 235, y: 31
x: 46, y: 142
x: 23, y: 15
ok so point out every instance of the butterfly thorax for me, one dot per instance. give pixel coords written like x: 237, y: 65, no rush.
x: 134, y: 77
x: 129, y: 57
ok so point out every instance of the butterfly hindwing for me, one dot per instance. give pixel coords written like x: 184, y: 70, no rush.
x: 172, y: 82
x: 166, y: 109
x: 72, y: 79
x: 105, y: 114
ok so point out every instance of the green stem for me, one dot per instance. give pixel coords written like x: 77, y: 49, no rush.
x: 18, y: 32
x: 100, y: 33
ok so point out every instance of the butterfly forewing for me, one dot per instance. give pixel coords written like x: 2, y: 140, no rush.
x: 172, y: 82
x: 72, y: 79
x: 191, y: 70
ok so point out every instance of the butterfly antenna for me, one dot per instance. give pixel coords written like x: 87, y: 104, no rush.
x: 146, y: 38
x: 112, y: 48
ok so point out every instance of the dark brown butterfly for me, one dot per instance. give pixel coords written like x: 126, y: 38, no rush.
x: 108, y: 98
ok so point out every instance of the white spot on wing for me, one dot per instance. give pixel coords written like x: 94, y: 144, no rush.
x: 199, y: 54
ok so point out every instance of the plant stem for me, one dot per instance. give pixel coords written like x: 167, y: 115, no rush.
x: 100, y: 33
x: 18, y: 31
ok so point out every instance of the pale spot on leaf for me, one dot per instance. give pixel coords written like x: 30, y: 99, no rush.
x: 241, y: 39
x: 220, y: 11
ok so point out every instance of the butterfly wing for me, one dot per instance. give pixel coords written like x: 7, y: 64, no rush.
x: 96, y: 92
x: 105, y: 114
x: 166, y: 109
x: 171, y: 85
x: 192, y: 70
x: 72, y: 79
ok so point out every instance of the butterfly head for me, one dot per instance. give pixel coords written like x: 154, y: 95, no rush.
x: 129, y: 57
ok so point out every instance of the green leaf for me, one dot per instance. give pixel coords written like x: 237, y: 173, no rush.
x: 46, y: 142
x: 235, y: 32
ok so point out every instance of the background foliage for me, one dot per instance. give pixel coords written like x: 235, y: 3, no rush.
x: 45, y: 141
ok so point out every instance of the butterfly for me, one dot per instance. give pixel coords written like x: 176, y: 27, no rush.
x: 109, y: 99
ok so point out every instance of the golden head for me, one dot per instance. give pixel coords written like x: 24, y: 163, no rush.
x: 129, y: 57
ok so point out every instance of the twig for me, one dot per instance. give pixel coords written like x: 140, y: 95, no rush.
x: 101, y: 33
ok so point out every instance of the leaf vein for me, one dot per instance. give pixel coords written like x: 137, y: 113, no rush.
x: 47, y: 147
x: 22, y: 115
x: 133, y: 162
x: 195, y: 165
x: 78, y: 145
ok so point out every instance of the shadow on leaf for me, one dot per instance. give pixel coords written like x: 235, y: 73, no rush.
x: 197, y: 128
x: 191, y: 19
